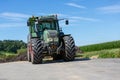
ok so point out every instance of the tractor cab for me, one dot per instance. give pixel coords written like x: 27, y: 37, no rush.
x: 37, y: 25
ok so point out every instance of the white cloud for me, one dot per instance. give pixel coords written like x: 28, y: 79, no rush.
x: 110, y: 9
x: 77, y: 18
x: 76, y: 5
x: 6, y: 25
x: 14, y: 16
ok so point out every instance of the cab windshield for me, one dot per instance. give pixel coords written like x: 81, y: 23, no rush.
x: 50, y: 25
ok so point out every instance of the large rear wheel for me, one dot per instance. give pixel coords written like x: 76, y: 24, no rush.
x: 37, y: 48
x: 69, y: 46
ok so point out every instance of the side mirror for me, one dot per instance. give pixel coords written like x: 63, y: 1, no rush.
x: 60, y: 29
x: 66, y: 22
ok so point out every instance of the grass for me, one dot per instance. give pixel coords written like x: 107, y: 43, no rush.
x: 9, y: 55
x: 101, y: 46
x: 21, y: 51
x: 108, y: 53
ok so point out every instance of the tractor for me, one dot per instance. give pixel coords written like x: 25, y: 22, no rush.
x: 46, y: 38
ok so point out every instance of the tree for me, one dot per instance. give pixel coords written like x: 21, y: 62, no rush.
x: 12, y: 45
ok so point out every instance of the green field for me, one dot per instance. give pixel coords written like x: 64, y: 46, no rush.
x: 108, y: 53
x: 102, y: 50
x: 101, y: 46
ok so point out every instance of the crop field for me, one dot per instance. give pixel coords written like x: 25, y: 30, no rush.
x: 108, y: 53
x: 102, y: 50
x: 101, y: 46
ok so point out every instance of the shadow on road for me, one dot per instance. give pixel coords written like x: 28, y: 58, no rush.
x: 62, y: 61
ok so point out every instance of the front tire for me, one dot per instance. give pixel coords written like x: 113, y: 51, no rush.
x: 69, y: 46
x: 37, y: 48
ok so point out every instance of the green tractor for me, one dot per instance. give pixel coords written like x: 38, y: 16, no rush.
x: 47, y: 39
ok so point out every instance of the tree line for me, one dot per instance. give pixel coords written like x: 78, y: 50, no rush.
x: 12, y: 45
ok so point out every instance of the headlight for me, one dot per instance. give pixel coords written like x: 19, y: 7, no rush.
x: 52, y: 39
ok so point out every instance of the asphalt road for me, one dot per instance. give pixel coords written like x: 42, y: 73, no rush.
x: 80, y: 69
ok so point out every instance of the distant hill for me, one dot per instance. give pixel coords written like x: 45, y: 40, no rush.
x: 101, y: 46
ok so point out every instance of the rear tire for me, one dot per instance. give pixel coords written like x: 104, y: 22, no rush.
x: 37, y: 48
x: 69, y: 46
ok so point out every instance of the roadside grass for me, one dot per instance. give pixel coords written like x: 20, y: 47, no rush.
x: 9, y: 55
x: 108, y: 53
x: 21, y: 51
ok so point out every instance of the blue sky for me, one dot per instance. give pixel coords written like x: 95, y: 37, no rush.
x: 91, y: 21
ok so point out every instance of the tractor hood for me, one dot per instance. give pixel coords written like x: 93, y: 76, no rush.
x: 50, y: 36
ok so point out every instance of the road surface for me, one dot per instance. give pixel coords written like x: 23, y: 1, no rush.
x: 80, y: 69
